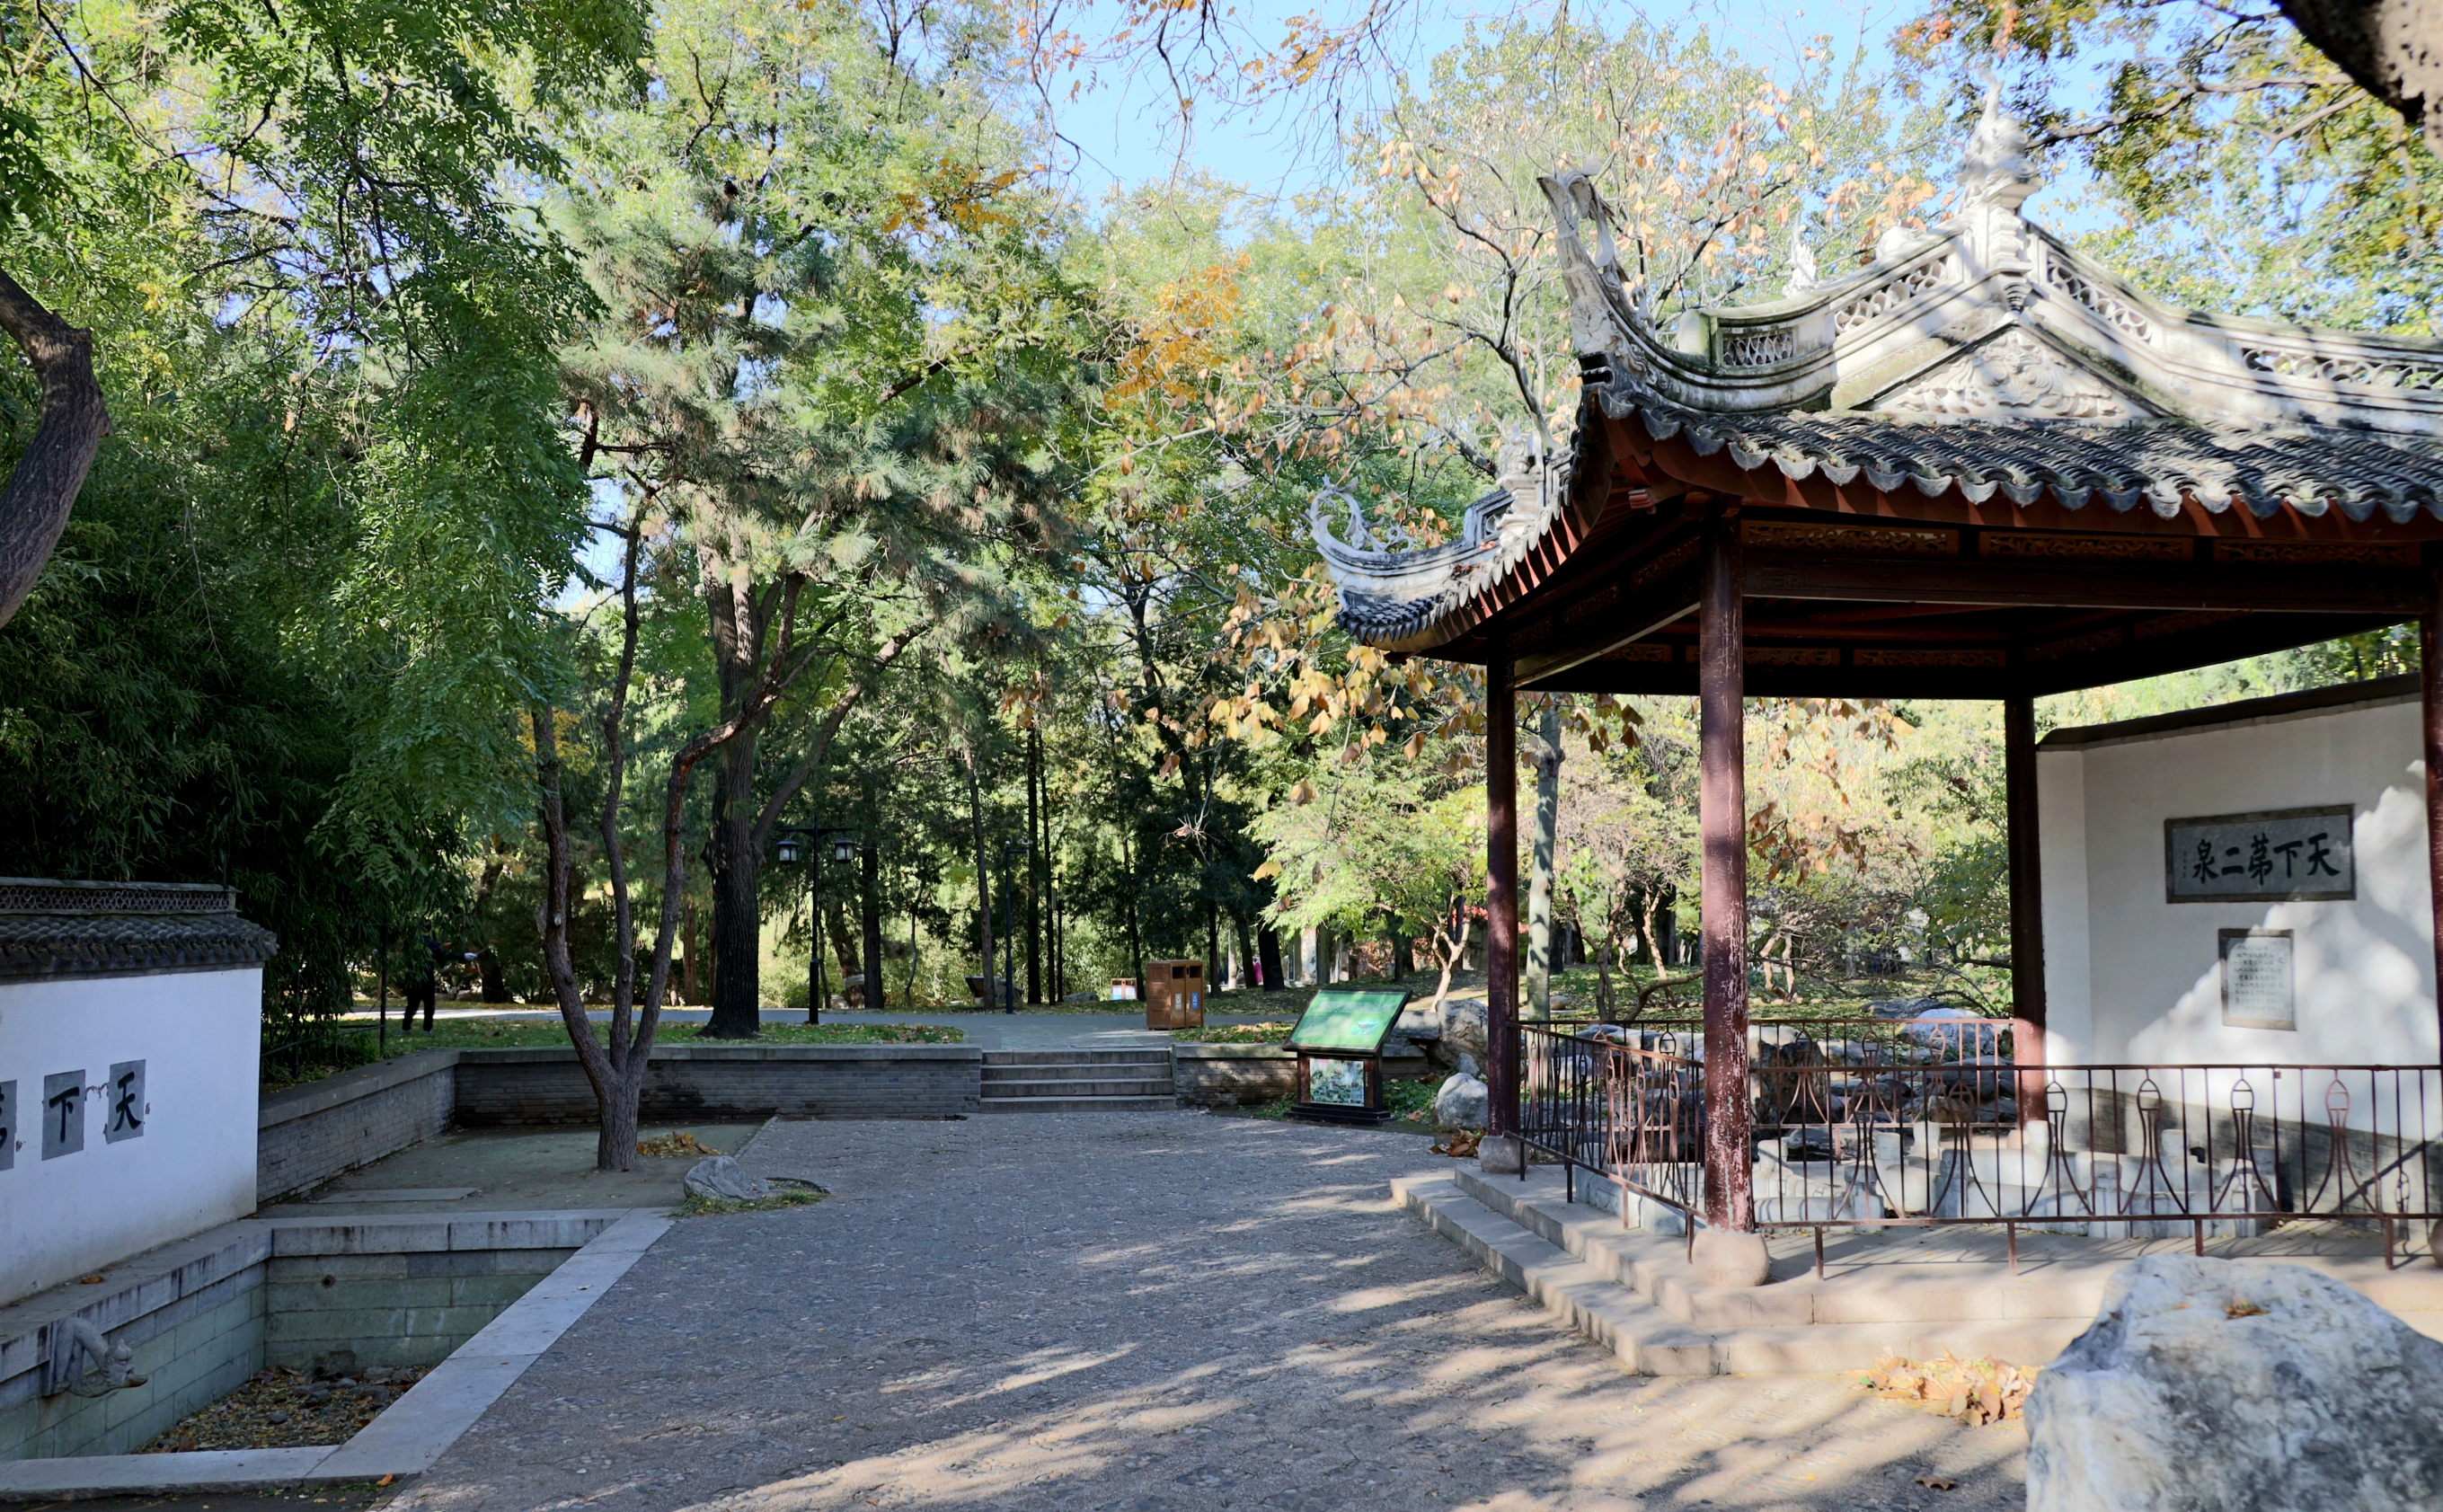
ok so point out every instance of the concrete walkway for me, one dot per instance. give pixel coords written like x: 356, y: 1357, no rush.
x: 1150, y: 1312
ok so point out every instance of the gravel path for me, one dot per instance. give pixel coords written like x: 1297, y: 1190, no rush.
x: 1144, y: 1312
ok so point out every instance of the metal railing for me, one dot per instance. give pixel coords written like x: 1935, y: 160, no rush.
x: 1868, y: 1123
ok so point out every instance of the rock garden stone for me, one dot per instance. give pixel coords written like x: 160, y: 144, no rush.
x: 722, y: 1179
x: 2209, y: 1386
x: 1464, y: 1024
x: 1462, y: 1102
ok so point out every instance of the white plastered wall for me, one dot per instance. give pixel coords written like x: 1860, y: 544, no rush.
x: 2130, y: 978
x: 199, y: 1035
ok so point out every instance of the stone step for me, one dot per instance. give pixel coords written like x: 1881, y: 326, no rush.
x: 1646, y: 1338
x: 1633, y: 1293
x: 1161, y: 1105
x: 1080, y: 1087
x: 1075, y: 1057
x: 1639, y: 1333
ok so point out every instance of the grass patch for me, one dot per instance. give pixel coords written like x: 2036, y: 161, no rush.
x: 695, y: 1207
x: 1411, y: 1105
x: 1411, y: 1101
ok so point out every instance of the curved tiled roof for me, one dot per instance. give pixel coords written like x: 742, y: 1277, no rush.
x: 1386, y: 596
x: 1978, y: 360
x: 51, y: 929
x: 2159, y: 464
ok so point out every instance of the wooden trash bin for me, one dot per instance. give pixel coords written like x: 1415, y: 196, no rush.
x: 1174, y: 994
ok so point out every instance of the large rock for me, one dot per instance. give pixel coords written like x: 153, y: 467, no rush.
x: 723, y: 1178
x: 2209, y: 1386
x: 1462, y: 1102
x: 1464, y: 1024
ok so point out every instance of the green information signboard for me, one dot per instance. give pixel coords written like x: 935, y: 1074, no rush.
x: 1339, y: 1044
x: 1350, y: 1021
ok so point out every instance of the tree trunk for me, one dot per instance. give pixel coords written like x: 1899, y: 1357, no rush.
x: 488, y: 959
x: 983, y: 879
x: 1539, y: 883
x: 1246, y: 949
x: 1212, y: 945
x: 1033, y: 842
x: 42, y: 487
x: 737, y: 919
x: 870, y: 876
x: 738, y: 616
x: 2391, y: 48
x: 846, y: 943
x: 1136, y: 938
x: 1268, y: 948
x: 688, y: 982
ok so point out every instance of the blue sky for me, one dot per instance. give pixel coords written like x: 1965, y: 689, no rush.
x: 1122, y: 129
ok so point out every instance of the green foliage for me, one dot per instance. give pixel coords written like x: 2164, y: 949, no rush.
x: 301, y: 594
x: 2244, y: 173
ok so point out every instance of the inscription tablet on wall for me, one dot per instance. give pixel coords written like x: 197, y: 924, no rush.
x: 2301, y: 854
x: 2257, y: 980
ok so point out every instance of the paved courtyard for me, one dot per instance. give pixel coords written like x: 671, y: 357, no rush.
x: 1144, y: 1312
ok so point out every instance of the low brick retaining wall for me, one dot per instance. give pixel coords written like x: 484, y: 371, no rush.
x: 499, y: 1088
x: 308, y: 1134
x: 1234, y: 1076
x: 1231, y: 1075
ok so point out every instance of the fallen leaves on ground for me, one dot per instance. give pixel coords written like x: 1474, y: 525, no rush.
x: 664, y: 1147
x: 288, y: 1409
x: 1974, y: 1390
x: 1461, y: 1145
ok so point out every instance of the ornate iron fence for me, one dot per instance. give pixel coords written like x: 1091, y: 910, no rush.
x: 1869, y: 1123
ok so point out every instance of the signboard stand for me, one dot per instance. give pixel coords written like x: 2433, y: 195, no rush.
x: 1339, y: 1045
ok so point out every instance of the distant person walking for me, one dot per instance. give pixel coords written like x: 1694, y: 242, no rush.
x: 423, y: 977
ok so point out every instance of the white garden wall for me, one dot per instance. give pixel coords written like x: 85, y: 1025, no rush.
x: 130, y: 1026
x: 189, y: 1164
x: 2130, y: 978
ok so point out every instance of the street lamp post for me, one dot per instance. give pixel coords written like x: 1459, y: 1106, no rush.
x: 1008, y: 947
x: 791, y: 843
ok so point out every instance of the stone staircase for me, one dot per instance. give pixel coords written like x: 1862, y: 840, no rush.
x: 1078, y: 1081
x: 1909, y: 1292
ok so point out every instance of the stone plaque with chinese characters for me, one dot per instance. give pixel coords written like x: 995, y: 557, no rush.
x: 2288, y: 853
x: 2258, y: 980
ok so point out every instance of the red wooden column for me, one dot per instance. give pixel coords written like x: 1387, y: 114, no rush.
x: 1501, y: 894
x: 1723, y: 893
x: 2429, y: 683
x: 2027, y: 903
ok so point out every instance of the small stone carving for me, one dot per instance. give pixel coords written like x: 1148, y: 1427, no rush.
x: 1802, y: 279
x: 2206, y: 1384
x: 1997, y: 168
x: 2012, y: 376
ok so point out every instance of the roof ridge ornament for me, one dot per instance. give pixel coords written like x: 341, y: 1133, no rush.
x: 1604, y: 305
x: 1997, y: 168
x: 1803, y: 278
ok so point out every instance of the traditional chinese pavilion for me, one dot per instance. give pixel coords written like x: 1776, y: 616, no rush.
x: 1980, y: 467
